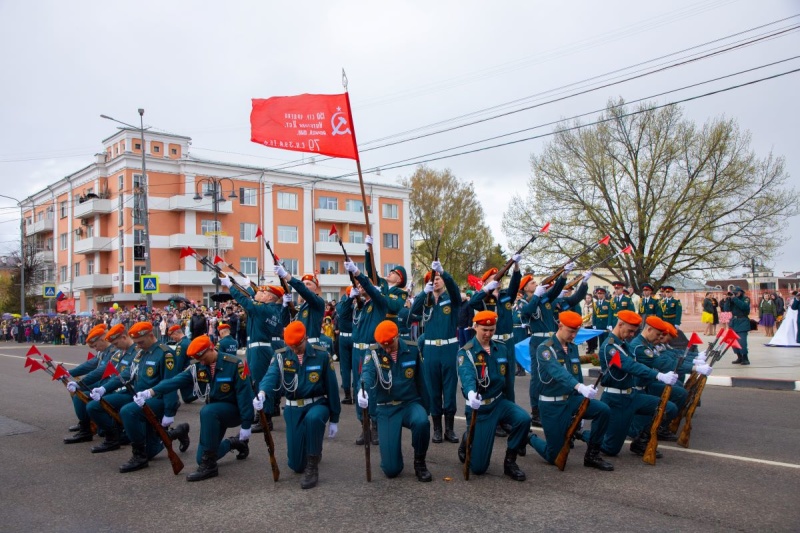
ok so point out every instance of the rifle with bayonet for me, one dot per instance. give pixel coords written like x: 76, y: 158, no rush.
x: 286, y: 288
x: 502, y: 272
x: 552, y: 277
x: 429, y: 299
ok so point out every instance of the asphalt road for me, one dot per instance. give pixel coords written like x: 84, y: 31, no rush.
x: 742, y: 473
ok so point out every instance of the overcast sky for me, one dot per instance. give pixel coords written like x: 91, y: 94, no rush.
x: 194, y: 66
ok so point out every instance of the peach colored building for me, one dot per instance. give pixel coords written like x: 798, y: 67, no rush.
x: 88, y: 225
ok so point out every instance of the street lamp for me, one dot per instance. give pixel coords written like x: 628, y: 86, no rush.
x: 21, y: 256
x: 214, y: 191
x: 143, y: 187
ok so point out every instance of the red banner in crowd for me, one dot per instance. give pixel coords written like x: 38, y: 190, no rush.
x: 315, y: 123
x: 66, y: 305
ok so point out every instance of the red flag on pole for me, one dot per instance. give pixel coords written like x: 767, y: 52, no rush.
x: 110, y: 371
x: 35, y: 365
x: 186, y: 252
x: 695, y: 340
x: 90, y: 357
x: 735, y: 344
x: 60, y: 372
x: 545, y: 228
x: 218, y: 259
x: 615, y: 360
x: 333, y: 230
x: 315, y: 123
x: 605, y: 240
x: 259, y: 233
x: 474, y: 282
x: 47, y: 358
x: 34, y: 351
x: 245, y: 370
x: 28, y: 361
x: 627, y: 250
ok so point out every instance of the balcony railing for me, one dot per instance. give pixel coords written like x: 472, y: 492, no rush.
x: 333, y: 248
x: 206, y: 205
x: 92, y: 281
x: 93, y: 206
x: 40, y: 226
x: 93, y: 244
x: 336, y: 215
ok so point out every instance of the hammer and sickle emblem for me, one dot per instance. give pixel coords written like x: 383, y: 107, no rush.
x: 338, y: 122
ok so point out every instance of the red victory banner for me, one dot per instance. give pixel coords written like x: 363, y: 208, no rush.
x: 316, y: 123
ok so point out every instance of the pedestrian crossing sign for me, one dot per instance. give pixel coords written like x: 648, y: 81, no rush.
x: 149, y: 284
x: 49, y: 291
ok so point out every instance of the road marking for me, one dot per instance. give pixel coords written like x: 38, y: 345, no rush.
x: 54, y: 361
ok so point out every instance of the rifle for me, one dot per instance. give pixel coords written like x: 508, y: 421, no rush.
x: 286, y: 288
x: 473, y: 420
x: 210, y: 264
x: 552, y: 277
x: 367, y: 436
x: 561, y: 458
x: 502, y: 272
x: 429, y: 299
x: 262, y: 416
x: 252, y: 283
x: 649, y: 456
x: 574, y: 281
x: 359, y: 301
x: 177, y: 464
x: 79, y: 393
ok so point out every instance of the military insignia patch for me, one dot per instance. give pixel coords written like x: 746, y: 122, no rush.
x: 332, y: 365
x: 547, y: 306
x: 404, y: 296
x: 202, y: 376
x: 648, y: 353
x: 508, y: 306
x: 409, y: 373
x: 366, y: 359
x: 446, y: 309
x: 289, y: 363
x: 612, y: 352
x: 575, y: 369
x: 385, y: 359
x: 480, y: 358
x: 460, y: 359
x: 313, y: 377
x: 150, y: 371
x: 170, y: 364
x: 546, y: 355
x: 305, y: 313
x: 502, y: 370
x: 241, y: 372
x: 225, y: 387
x: 369, y: 308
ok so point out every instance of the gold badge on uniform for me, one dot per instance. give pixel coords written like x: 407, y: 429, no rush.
x: 502, y: 370
x: 305, y: 313
x: 202, y: 376
x: 575, y: 369
x: 313, y: 377
x: 480, y: 358
x: 242, y: 375
x: 385, y: 359
x: 225, y: 387
x: 150, y: 371
x: 409, y: 373
x: 508, y: 306
x: 289, y: 363
x: 446, y: 309
x: 170, y: 364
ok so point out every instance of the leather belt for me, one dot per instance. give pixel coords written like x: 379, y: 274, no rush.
x: 345, y: 334
x: 393, y: 402
x: 612, y: 390
x: 361, y: 346
x: 543, y: 334
x: 487, y: 401
x: 258, y: 344
x: 639, y: 388
x: 440, y: 342
x: 277, y: 339
x: 554, y: 398
x: 502, y: 336
x: 303, y: 401
x: 520, y: 326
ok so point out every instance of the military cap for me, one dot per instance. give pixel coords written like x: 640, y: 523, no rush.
x: 294, y: 333
x: 672, y: 330
x: 629, y: 317
x: 489, y: 273
x: 115, y: 332
x: 600, y: 289
x: 525, y: 280
x: 199, y: 346
x: 386, y: 332
x: 647, y: 286
x: 667, y: 288
x: 173, y: 328
x: 312, y: 278
x: 571, y: 319
x: 96, y: 333
x: 655, y: 322
x: 738, y: 289
x: 140, y: 329
x: 618, y: 284
x: 223, y: 326
x: 277, y: 290
x: 400, y: 271
x: 485, y: 318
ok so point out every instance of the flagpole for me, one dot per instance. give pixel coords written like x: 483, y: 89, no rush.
x: 374, y: 276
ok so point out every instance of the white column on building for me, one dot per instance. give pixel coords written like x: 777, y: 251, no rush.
x: 375, y: 231
x: 308, y: 230
x: 407, y: 233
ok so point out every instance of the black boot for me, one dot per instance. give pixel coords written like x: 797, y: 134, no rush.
x: 373, y: 433
x: 207, y: 468
x: 241, y: 446
x: 421, y: 469
x: 449, y: 434
x: 256, y: 427
x: 360, y: 440
x: 500, y: 432
x: 111, y: 442
x: 745, y: 360
x: 181, y: 434
x: 536, y: 419
x: 639, y: 444
x: 348, y: 397
x: 510, y: 467
x: 462, y: 449
x: 84, y: 434
x: 665, y: 434
x: 75, y: 428
x: 738, y: 360
x: 137, y: 461
x: 311, y: 473
x: 592, y: 459
x: 437, y: 430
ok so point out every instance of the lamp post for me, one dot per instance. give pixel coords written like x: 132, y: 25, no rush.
x: 21, y: 256
x: 214, y: 191
x: 143, y: 187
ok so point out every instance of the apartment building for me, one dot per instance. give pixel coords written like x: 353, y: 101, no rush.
x: 89, y: 226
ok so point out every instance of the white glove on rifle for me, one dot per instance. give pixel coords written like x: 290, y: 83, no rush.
x: 490, y: 286
x: 587, y: 275
x: 244, y: 281
x: 428, y: 287
x: 569, y: 267
x: 280, y: 271
x: 351, y: 267
x: 699, y: 359
x: 97, y: 393
x: 437, y: 266
x: 166, y: 421
x: 226, y: 281
x: 258, y: 401
x: 516, y: 258
x: 669, y: 378
x: 610, y: 328
x: 244, y: 434
x: 333, y: 429
x: 540, y: 290
x: 354, y: 292
x: 363, y: 399
x: 587, y: 391
x: 141, y: 397
x: 703, y: 369
x: 287, y: 299
x: 368, y: 240
x: 72, y: 386
x: 474, y: 400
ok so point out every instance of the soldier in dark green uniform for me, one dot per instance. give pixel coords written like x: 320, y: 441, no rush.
x: 304, y: 373
x: 522, y: 329
x: 648, y: 306
x: 671, y: 310
x: 440, y: 348
x: 393, y: 287
x: 619, y: 302
x: 392, y: 374
x: 487, y: 383
x: 563, y: 391
x: 154, y: 363
x: 312, y: 309
x: 182, y: 360
x: 740, y: 323
x: 347, y: 370
x: 221, y: 381
x: 226, y: 344
x: 602, y: 313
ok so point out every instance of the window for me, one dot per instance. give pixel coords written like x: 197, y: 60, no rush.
x: 50, y: 213
x: 287, y: 234
x: 291, y: 266
x: 138, y: 209
x: 356, y: 237
x: 174, y: 151
x: 247, y: 196
x: 63, y: 240
x: 121, y: 181
x: 249, y: 266
x: 361, y: 266
x: 389, y: 210
x: 207, y: 226
x: 324, y: 236
x: 62, y: 207
x: 62, y: 274
x: 137, y: 181
x: 120, y: 212
x: 138, y: 272
x: 156, y: 149
x: 137, y: 146
x: 391, y: 240
x: 328, y: 267
x: 138, y: 245
x: 247, y: 232
x: 90, y: 266
x: 48, y: 244
x: 287, y: 200
x: 388, y: 267
x: 89, y: 231
x: 328, y: 202
x: 121, y: 283
x: 77, y: 269
x: 356, y: 206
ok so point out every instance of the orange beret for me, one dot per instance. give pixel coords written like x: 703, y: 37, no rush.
x: 140, y: 329
x: 96, y: 333
x: 312, y: 278
x: 672, y: 330
x: 571, y: 319
x: 173, y: 328
x: 525, y: 280
x: 199, y: 346
x: 629, y: 317
x: 276, y: 290
x: 386, y: 332
x: 655, y: 322
x: 115, y: 332
x: 427, y: 276
x: 489, y: 273
x: 223, y: 326
x: 485, y: 318
x: 294, y: 333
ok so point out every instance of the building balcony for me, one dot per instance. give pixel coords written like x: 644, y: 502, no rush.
x: 189, y: 277
x: 334, y: 280
x: 188, y: 203
x: 93, y: 244
x: 333, y: 248
x: 335, y: 215
x: 204, y: 242
x: 44, y: 256
x: 92, y: 281
x: 41, y: 226
x: 92, y: 207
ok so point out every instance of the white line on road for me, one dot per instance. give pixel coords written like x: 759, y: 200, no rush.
x: 23, y: 357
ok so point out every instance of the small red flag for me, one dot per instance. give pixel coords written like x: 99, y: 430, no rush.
x: 47, y: 358
x: 605, y: 240
x: 333, y: 230
x: 474, y: 282
x: 245, y: 370
x: 259, y: 233
x: 735, y: 344
x: 186, y: 252
x: 35, y: 365
x: 545, y: 228
x: 60, y: 372
x: 616, y: 361
x: 695, y: 340
x: 110, y: 371
x: 730, y: 336
x: 28, y: 362
x: 218, y: 259
x: 91, y: 356
x: 627, y: 250
x: 34, y: 351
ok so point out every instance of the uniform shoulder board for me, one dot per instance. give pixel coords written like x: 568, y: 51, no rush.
x: 374, y: 346
x: 165, y: 347
x: 320, y: 348
x: 281, y: 350
x: 231, y: 358
x: 548, y: 343
x: 469, y: 344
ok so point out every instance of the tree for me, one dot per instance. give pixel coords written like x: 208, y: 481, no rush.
x: 35, y: 273
x: 688, y: 199
x: 440, y: 201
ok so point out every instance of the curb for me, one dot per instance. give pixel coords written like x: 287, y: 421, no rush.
x: 728, y: 381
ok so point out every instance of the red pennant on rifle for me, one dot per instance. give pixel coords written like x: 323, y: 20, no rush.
x: 627, y: 250
x: 695, y: 340
x: 730, y: 336
x: 245, y: 370
x: 28, y: 362
x: 218, y: 259
x: 735, y: 344
x: 545, y: 228
x: 110, y: 371
x: 35, y: 365
x: 90, y: 357
x: 616, y: 361
x: 34, y: 351
x: 333, y: 230
x: 47, y: 358
x: 60, y: 372
x: 605, y: 240
x: 259, y: 233
x: 186, y: 252
x: 474, y: 282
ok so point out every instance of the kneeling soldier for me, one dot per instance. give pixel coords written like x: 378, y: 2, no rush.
x: 394, y: 368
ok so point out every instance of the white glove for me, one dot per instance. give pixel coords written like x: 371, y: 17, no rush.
x: 428, y: 287
x: 258, y: 401
x: 587, y: 275
x: 287, y: 299
x: 490, y: 286
x: 97, y: 393
x: 610, y: 328
x: 141, y: 397
x: 669, y: 378
x: 350, y: 267
x: 354, y: 292
x: 570, y: 267
x: 244, y: 434
x: 703, y: 369
x: 72, y: 386
x: 540, y: 290
x: 363, y: 399
x: 474, y: 400
x: 280, y: 271
x: 699, y: 359
x: 368, y: 240
x: 587, y: 391
x: 226, y: 281
x: 166, y: 421
x: 333, y: 429
x: 516, y: 257
x: 437, y: 266
x: 244, y: 281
